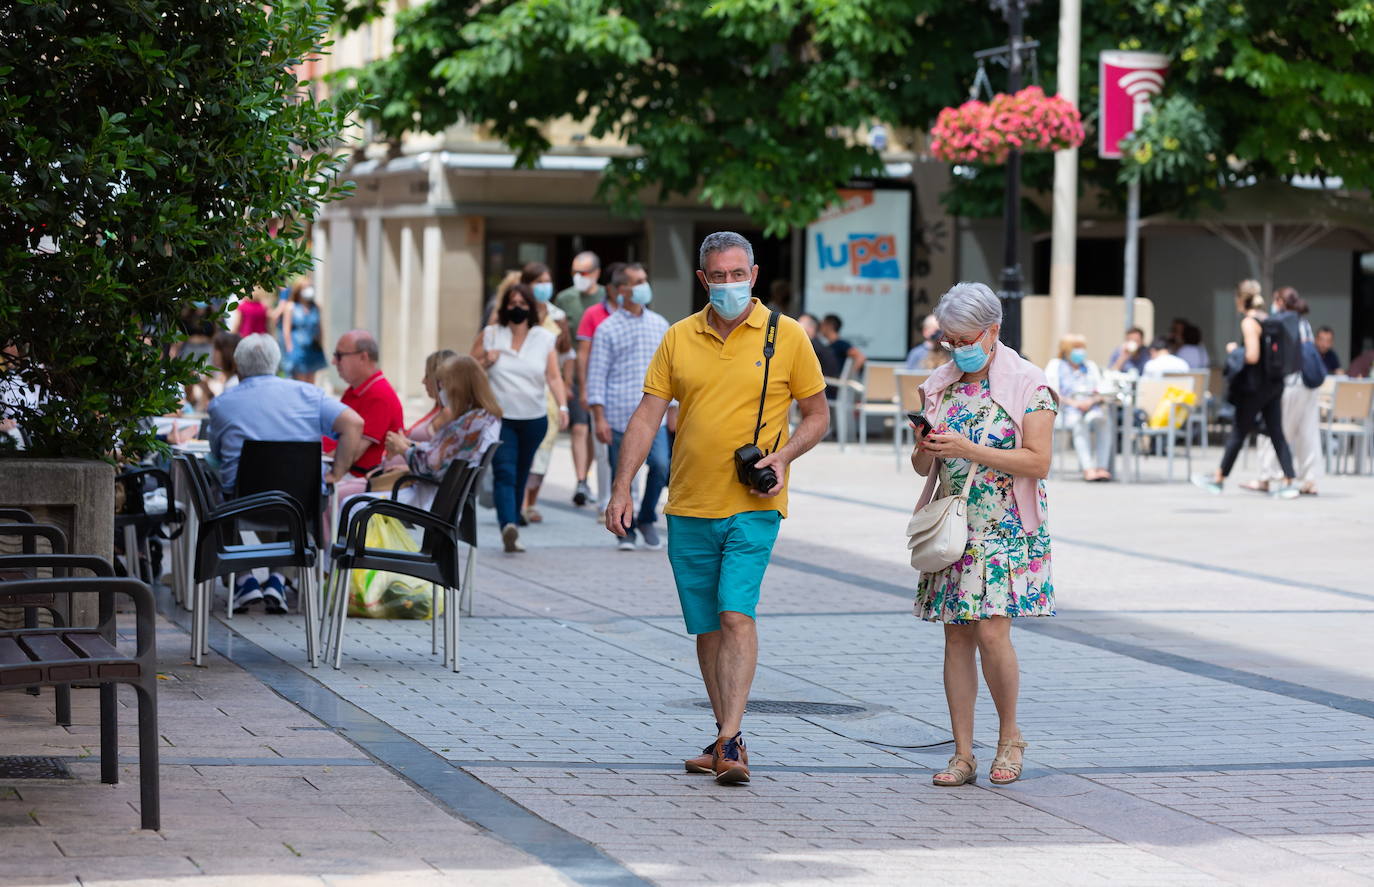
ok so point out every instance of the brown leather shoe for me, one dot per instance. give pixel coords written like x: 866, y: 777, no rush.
x: 730, y: 761
x: 702, y: 763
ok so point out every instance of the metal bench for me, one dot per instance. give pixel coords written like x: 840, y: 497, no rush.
x: 60, y: 656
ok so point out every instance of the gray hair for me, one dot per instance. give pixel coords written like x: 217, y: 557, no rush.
x: 968, y: 308
x: 257, y: 355
x: 719, y: 242
x: 588, y: 254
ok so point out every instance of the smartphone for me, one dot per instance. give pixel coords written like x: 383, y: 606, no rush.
x: 922, y: 424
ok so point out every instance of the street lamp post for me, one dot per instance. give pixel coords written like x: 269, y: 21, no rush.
x: 1013, y: 285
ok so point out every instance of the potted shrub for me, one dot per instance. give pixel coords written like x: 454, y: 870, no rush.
x: 154, y: 154
x: 984, y: 132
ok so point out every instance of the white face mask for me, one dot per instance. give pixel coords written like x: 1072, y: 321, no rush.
x: 443, y: 398
x: 584, y: 282
x: 308, y: 292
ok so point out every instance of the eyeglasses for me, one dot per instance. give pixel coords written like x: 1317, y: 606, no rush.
x: 950, y: 346
x: 342, y: 354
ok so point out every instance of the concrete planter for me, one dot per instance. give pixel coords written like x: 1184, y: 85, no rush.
x: 74, y: 494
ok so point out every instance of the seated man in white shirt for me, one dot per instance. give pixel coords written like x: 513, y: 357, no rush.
x: 1162, y: 362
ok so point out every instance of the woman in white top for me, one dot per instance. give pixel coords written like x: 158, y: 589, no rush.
x: 521, y: 360
x: 1078, y: 382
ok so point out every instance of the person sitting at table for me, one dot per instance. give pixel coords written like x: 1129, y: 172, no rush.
x: 1078, y: 382
x: 1163, y: 362
x: 427, y: 426
x: 1131, y: 354
x: 371, y: 395
x: 471, y: 423
x: 264, y: 406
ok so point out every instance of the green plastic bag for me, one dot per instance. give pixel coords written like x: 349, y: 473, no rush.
x: 378, y: 594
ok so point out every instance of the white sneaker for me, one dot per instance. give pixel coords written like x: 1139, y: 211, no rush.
x: 626, y: 542
x: 510, y: 537
x: 1287, y: 491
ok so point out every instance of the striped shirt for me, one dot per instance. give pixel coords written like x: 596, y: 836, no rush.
x: 621, y: 351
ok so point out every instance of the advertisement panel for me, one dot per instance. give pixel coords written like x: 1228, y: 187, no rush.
x: 858, y: 265
x: 1129, y: 81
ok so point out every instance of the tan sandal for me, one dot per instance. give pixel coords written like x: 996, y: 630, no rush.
x: 1003, y: 762
x: 964, y: 769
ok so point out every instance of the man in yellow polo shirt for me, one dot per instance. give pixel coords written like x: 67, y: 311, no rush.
x: 734, y: 368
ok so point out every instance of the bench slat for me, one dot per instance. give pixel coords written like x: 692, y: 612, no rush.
x: 48, y: 649
x: 16, y: 669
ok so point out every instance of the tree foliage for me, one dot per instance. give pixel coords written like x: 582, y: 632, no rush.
x: 157, y: 144
x: 753, y: 103
x: 1285, y: 88
x: 756, y: 103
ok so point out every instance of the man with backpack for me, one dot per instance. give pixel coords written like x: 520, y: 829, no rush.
x: 1255, y: 373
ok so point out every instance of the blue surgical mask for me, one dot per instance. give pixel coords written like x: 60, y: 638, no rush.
x: 971, y: 357
x: 730, y: 299
x: 641, y: 294
x: 1078, y: 356
x: 543, y: 291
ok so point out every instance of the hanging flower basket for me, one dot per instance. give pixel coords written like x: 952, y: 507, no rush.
x: 984, y: 132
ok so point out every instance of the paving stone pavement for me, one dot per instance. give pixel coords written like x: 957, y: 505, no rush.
x: 1199, y: 712
x: 254, y: 792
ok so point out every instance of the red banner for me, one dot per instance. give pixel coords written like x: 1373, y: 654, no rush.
x: 1129, y: 81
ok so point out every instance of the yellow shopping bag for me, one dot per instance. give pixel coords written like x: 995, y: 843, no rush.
x: 378, y: 594
x: 1173, y: 395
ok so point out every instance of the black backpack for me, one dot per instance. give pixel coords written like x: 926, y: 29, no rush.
x: 1279, y: 353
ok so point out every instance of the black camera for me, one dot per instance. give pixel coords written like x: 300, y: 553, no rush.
x: 753, y: 477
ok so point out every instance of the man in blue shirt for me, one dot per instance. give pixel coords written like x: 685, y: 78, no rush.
x: 264, y: 406
x: 622, y: 348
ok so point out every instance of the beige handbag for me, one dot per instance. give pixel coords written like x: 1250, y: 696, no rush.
x: 938, y: 533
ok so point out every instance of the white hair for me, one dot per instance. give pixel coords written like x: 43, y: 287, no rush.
x: 257, y: 355
x: 719, y: 242
x: 968, y: 308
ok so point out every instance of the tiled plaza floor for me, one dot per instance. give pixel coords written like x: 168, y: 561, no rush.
x: 1199, y: 712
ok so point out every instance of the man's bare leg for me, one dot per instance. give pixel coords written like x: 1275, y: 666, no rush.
x: 708, y: 654
x: 735, y: 663
x: 581, y: 451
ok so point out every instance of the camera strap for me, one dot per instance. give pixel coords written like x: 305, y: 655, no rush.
x: 770, y: 336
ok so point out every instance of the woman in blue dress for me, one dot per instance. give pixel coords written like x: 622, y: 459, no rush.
x: 298, y: 318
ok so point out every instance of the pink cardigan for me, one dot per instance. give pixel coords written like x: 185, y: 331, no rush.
x: 1013, y: 381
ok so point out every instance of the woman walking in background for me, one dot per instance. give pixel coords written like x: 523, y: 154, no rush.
x: 1301, y: 412
x: 554, y: 319
x: 520, y: 358
x: 991, y: 415
x: 1254, y: 395
x: 298, y: 318
x: 251, y: 315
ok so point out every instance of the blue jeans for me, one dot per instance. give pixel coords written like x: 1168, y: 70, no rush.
x: 520, y: 440
x: 658, y: 473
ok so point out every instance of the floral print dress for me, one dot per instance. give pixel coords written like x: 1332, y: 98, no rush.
x: 1005, y: 571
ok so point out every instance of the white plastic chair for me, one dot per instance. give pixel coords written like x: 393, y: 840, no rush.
x: 1349, y: 426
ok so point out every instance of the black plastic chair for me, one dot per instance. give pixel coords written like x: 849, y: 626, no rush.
x: 28, y: 533
x: 135, y: 523
x: 435, y: 562
x: 219, y: 553
x: 467, y: 519
x: 58, y: 656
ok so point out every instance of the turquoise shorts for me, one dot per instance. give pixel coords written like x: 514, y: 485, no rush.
x: 718, y: 564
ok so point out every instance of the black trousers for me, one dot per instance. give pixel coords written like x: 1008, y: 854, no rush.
x: 1269, y: 404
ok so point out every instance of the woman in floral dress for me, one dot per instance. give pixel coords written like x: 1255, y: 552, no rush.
x: 992, y: 413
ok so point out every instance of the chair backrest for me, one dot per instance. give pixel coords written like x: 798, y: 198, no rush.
x: 1352, y: 400
x: 284, y: 466
x: 17, y: 515
x: 197, y: 484
x: 467, y: 520
x: 1185, y: 381
x: 880, y: 383
x: 909, y: 389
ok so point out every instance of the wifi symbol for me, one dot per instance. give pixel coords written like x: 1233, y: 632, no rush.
x: 1141, y: 86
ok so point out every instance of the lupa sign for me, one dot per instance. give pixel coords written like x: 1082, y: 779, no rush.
x: 1129, y: 80
x: 857, y: 267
